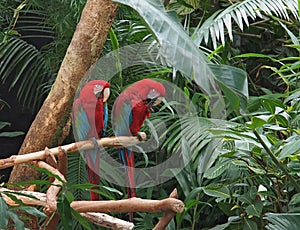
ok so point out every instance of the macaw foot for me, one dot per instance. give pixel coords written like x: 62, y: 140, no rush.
x: 139, y: 136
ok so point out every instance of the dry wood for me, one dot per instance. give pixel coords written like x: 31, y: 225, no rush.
x: 37, y: 198
x: 52, y: 221
x: 126, y: 205
x: 130, y: 205
x: 107, y: 221
x: 62, y: 161
x: 54, y: 189
x: 27, y: 197
x: 168, y: 205
x: 52, y: 122
x: 168, y: 216
x: 73, y: 147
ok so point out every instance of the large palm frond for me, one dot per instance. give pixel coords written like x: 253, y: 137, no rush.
x: 34, y: 39
x: 283, y: 221
x: 22, y: 60
x: 240, y: 13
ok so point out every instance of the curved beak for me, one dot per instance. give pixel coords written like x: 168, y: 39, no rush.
x: 106, y: 93
x: 158, y: 101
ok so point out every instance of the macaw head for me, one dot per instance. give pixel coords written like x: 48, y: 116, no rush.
x: 151, y: 92
x: 95, y: 90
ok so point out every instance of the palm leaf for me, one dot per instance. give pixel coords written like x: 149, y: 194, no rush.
x: 239, y: 12
x: 29, y: 62
x: 177, y: 48
x: 23, y: 61
x: 77, y: 175
x: 282, y: 221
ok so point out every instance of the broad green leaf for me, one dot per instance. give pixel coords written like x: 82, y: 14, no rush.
x: 4, y: 214
x: 294, y: 166
x: 15, y: 218
x: 83, y: 221
x: 233, y: 99
x: 64, y: 211
x: 255, y: 209
x: 295, y: 199
x: 289, y: 148
x: 232, y: 77
x: 226, y: 207
x: 193, y: 194
x: 249, y: 224
x: 217, y: 170
x: 32, y: 211
x: 222, y: 192
x: 256, y: 122
x: 282, y: 121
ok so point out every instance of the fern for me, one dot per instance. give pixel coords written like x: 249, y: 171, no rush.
x: 282, y: 221
x: 239, y: 12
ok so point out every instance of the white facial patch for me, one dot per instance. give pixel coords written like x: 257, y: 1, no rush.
x: 98, y: 89
x: 152, y: 94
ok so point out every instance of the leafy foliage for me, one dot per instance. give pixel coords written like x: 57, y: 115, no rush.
x: 239, y: 12
x: 241, y: 172
x: 34, y: 40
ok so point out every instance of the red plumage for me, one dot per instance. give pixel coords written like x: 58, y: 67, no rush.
x: 88, y: 113
x: 130, y: 110
x: 93, y: 106
x: 136, y: 95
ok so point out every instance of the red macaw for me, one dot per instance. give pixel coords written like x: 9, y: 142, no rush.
x: 90, y: 116
x: 129, y: 112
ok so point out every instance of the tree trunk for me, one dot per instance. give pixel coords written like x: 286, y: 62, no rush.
x: 48, y: 128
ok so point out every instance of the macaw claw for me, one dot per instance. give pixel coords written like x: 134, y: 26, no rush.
x: 139, y: 136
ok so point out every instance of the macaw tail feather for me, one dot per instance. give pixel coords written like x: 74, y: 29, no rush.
x: 130, y: 175
x: 93, y: 172
x: 128, y: 160
x: 93, y: 178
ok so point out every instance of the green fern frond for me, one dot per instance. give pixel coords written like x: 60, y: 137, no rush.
x: 215, y: 25
x: 23, y: 61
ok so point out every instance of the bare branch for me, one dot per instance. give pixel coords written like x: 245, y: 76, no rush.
x: 54, y: 189
x: 107, y: 221
x: 168, y: 216
x: 73, y: 147
x: 130, y: 205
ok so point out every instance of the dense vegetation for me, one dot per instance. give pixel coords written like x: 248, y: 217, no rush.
x: 242, y: 171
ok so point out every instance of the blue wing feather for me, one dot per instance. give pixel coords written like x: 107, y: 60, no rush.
x: 123, y: 121
x: 82, y: 126
x: 105, y: 114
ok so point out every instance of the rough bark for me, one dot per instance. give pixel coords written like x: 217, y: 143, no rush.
x: 83, y: 51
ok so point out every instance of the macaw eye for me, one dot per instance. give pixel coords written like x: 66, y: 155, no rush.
x: 98, y: 89
x: 152, y: 94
